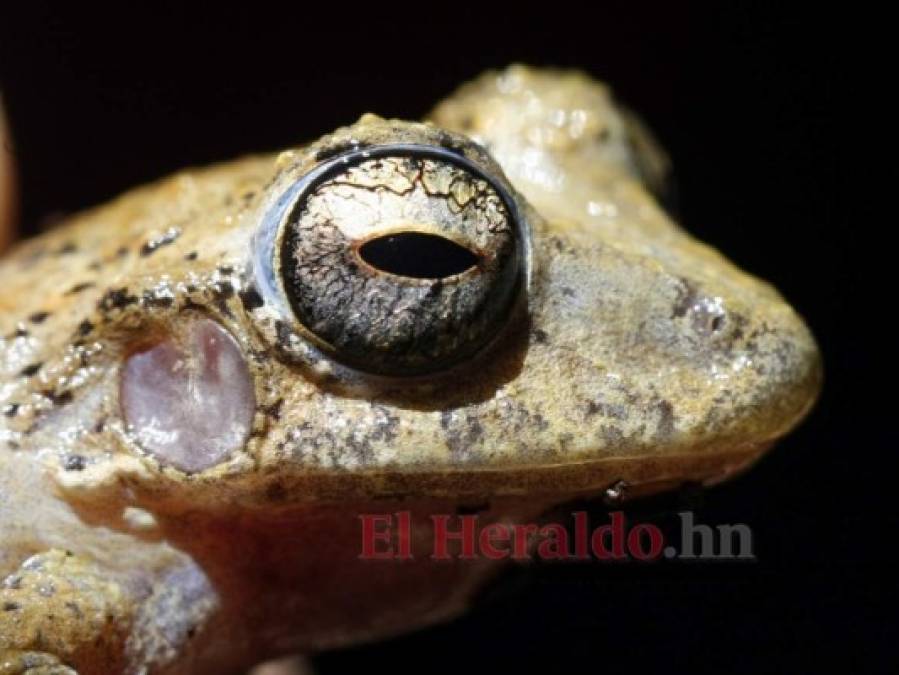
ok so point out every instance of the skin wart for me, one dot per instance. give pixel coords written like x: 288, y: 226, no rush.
x: 633, y: 356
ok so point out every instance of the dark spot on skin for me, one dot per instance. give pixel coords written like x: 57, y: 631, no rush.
x: 385, y: 426
x: 59, y: 398
x: 95, y: 266
x: 616, y: 411
x: 739, y: 323
x: 337, y: 149
x: 77, y: 288
x: 462, y: 434
x: 567, y: 291
x: 30, y: 370
x: 226, y: 269
x: 666, y: 419
x: 191, y: 256
x: 116, y: 299
x: 686, y: 298
x: 611, y: 434
x: 540, y: 422
x: 359, y: 448
x: 38, y: 317
x: 247, y: 196
x: 11, y: 606
x: 472, y: 509
x: 273, y: 410
x: 74, y: 463
x: 283, y: 332
x: 250, y: 298
x: 560, y: 245
x: 74, y: 608
x: 224, y: 289
x: 258, y: 355
x: 151, y: 300
x: 68, y: 247
x: 157, y: 243
x: 451, y: 144
x: 717, y: 322
x: 83, y: 356
x: 540, y: 336
x: 85, y: 327
x: 20, y: 332
x: 121, y: 252
x: 10, y: 409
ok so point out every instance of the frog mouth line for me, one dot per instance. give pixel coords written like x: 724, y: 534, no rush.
x: 612, y: 480
x: 630, y: 477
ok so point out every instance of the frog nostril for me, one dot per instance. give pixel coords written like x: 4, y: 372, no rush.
x: 419, y: 255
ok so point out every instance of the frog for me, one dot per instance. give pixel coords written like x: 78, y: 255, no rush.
x: 208, y: 381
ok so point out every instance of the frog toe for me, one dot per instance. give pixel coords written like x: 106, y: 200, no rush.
x: 17, y: 662
x: 60, y: 604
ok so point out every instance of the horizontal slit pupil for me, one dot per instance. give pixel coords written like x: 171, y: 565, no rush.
x: 418, y: 255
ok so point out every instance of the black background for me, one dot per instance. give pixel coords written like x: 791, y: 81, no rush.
x: 744, y: 101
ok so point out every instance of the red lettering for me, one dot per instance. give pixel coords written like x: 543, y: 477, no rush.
x: 554, y: 542
x: 614, y: 530
x: 488, y: 541
x: 635, y: 542
x: 442, y: 536
x: 371, y: 535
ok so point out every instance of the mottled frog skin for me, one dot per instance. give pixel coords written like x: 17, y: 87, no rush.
x: 594, y: 343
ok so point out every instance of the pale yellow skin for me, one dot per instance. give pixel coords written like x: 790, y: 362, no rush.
x: 641, y: 358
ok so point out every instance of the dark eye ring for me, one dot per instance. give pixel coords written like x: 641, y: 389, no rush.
x: 397, y: 259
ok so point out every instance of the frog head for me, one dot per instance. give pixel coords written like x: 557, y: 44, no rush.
x: 488, y: 304
x: 205, y: 382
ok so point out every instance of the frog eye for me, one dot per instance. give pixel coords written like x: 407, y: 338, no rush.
x: 399, y: 259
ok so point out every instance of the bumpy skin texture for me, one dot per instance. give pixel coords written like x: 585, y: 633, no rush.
x: 637, y: 356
